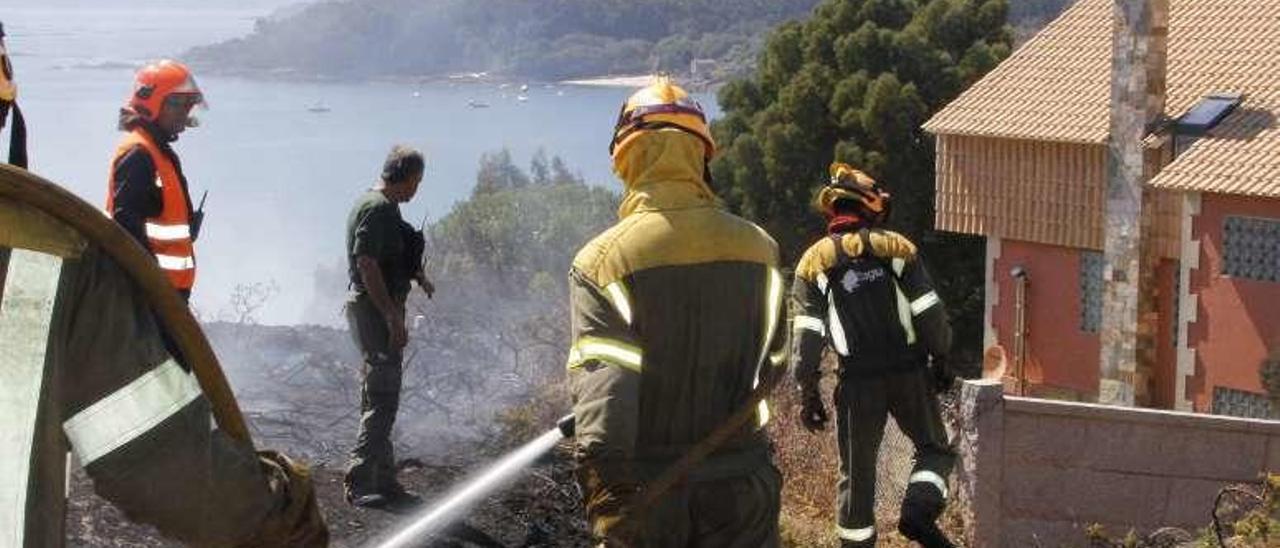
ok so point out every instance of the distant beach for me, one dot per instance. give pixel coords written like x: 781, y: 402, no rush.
x: 629, y: 81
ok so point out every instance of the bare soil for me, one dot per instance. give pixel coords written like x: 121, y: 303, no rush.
x: 540, y: 510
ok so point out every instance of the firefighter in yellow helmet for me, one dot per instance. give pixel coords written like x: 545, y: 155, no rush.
x: 864, y: 291
x: 8, y: 104
x: 676, y: 314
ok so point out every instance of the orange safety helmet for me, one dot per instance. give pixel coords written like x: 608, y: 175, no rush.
x: 159, y: 82
x: 8, y: 89
x: 660, y: 105
x: 852, y: 185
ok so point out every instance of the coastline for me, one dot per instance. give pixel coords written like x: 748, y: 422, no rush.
x: 620, y: 81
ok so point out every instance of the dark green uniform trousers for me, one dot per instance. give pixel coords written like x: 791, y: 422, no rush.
x: 862, y: 405
x: 372, y: 468
x: 716, y: 507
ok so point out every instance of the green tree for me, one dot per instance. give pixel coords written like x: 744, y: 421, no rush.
x: 515, y: 239
x: 854, y: 83
x: 497, y: 172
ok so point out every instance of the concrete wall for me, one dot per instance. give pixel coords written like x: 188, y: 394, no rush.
x: 1237, y: 320
x: 1038, y: 472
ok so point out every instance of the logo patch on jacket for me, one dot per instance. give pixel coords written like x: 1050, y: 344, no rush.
x: 853, y: 279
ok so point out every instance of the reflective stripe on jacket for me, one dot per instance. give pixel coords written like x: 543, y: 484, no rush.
x: 169, y: 234
x: 876, y: 307
x: 83, y: 369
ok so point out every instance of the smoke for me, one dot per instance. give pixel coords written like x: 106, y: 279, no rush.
x: 481, y: 354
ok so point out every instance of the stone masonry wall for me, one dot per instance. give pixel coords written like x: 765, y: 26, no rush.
x: 1038, y: 472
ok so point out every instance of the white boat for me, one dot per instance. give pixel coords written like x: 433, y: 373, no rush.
x: 318, y: 108
x: 477, y: 104
x: 522, y: 98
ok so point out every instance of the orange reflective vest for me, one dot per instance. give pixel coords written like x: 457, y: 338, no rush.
x: 169, y: 234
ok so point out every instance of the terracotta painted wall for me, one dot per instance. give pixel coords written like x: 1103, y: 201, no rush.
x: 1063, y: 359
x: 1237, y: 318
x: 1059, y: 354
x: 1164, y: 381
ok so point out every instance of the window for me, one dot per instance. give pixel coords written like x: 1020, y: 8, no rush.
x: 1251, y: 248
x: 1091, y: 291
x: 1240, y: 403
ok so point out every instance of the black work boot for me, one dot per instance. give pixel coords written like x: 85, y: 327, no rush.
x: 869, y: 543
x: 847, y: 542
x: 920, y: 510
x: 400, y: 499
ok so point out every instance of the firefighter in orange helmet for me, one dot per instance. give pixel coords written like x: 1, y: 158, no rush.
x: 9, y: 104
x: 864, y: 291
x: 147, y: 193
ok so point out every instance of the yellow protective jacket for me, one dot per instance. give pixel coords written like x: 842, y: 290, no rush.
x: 676, y: 314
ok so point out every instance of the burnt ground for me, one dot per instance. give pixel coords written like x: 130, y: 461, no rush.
x: 540, y: 510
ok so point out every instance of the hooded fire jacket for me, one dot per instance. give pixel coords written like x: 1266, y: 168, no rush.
x: 676, y: 315
x: 83, y: 369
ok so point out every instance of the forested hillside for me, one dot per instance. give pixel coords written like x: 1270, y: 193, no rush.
x: 539, y: 39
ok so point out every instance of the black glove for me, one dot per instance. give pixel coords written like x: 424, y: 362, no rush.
x: 813, y: 414
x: 943, y: 377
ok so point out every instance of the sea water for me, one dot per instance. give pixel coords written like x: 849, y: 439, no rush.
x: 280, y: 178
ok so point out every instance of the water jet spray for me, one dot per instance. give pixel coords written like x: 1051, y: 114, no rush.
x: 434, y: 519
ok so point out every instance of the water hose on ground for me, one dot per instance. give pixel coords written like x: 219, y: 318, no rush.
x: 174, y: 315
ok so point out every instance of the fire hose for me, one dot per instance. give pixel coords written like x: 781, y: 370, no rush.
x: 173, y: 314
x: 680, y: 469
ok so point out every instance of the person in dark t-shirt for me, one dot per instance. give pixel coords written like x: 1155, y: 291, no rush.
x: 383, y: 257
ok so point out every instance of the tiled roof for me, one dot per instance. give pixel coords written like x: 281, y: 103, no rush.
x: 1239, y: 156
x: 1056, y: 86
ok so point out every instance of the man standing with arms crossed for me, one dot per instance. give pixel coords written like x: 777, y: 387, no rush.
x: 383, y: 256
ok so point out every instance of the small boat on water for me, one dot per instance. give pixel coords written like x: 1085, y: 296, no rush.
x: 522, y: 98
x: 318, y: 108
x: 477, y: 104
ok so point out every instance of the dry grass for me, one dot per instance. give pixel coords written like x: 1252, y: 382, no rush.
x: 810, y: 471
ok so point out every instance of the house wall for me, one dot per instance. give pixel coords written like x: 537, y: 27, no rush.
x: 1038, y: 472
x: 1035, y: 191
x: 1062, y: 358
x: 1237, y: 319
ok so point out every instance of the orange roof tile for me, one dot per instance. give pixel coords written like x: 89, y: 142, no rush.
x: 1056, y: 86
x: 1239, y: 156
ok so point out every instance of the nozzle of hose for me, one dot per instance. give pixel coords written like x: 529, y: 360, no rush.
x: 566, y: 425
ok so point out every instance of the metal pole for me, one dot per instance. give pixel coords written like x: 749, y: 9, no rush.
x: 1020, y: 327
